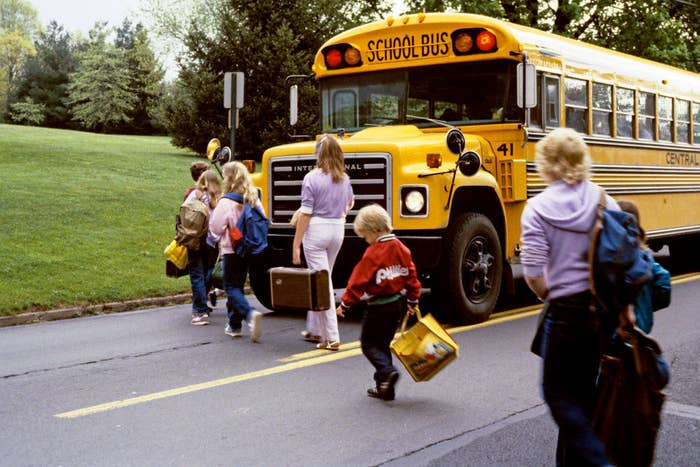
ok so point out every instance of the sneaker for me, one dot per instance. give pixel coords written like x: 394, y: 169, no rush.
x: 233, y: 332
x: 255, y: 326
x: 309, y: 337
x: 199, y: 319
x: 325, y: 345
x: 212, y: 297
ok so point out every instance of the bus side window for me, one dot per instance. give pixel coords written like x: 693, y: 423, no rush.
x: 551, y: 105
x: 665, y: 118
x: 682, y: 121
x: 602, y: 109
x: 344, y: 109
x: 696, y: 123
x: 647, y: 118
x: 624, y: 102
x: 576, y: 102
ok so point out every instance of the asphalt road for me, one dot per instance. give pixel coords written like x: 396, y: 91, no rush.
x: 147, y: 388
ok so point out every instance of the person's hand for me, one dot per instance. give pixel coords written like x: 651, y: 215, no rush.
x: 296, y: 255
x: 627, y: 322
x: 412, y: 308
x: 340, y: 312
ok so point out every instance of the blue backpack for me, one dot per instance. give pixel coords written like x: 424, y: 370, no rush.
x: 619, y: 268
x: 253, y: 227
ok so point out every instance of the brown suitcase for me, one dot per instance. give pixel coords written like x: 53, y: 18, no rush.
x: 299, y: 289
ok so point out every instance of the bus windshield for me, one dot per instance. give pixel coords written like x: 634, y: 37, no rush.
x: 459, y: 94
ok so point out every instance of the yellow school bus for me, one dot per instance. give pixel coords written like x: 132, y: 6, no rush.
x: 391, y: 90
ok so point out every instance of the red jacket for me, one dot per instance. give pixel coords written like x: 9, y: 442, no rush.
x: 385, y: 269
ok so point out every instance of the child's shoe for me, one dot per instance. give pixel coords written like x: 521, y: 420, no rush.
x: 199, y: 319
x: 385, y: 390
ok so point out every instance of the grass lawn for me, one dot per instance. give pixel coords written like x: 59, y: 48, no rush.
x: 85, y: 217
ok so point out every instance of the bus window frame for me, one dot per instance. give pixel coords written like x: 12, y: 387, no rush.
x: 670, y: 120
x: 575, y: 106
x: 646, y: 116
x: 610, y: 112
x: 631, y: 113
x: 676, y: 107
x: 695, y: 122
x: 556, y: 122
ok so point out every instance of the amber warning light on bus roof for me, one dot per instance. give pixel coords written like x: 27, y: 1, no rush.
x: 473, y: 41
x: 341, y: 56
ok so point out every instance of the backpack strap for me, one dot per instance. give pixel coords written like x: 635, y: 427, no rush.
x: 234, y: 197
x: 593, y: 248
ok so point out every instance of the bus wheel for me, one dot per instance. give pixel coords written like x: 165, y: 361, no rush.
x: 472, y: 268
x: 259, y: 277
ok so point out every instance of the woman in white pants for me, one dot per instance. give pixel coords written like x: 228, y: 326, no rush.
x: 326, y: 198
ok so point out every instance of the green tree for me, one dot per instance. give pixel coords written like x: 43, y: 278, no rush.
x: 100, y: 94
x: 18, y: 24
x: 662, y: 30
x: 146, y: 76
x: 267, y: 40
x: 44, y: 78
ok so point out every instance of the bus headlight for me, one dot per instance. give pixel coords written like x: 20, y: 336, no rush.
x: 414, y: 201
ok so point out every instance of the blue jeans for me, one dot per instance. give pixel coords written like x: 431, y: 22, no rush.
x: 378, y: 329
x: 235, y: 269
x: 201, y: 264
x: 572, y: 345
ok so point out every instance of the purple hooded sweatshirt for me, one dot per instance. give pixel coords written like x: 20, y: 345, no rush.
x: 556, y: 234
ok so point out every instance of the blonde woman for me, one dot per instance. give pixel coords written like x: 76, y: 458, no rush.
x: 326, y: 198
x: 235, y: 267
x: 556, y: 235
x: 202, y: 261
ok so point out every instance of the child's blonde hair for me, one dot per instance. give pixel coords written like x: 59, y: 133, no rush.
x: 209, y: 182
x: 563, y: 155
x: 372, y: 219
x: 237, y: 180
x: 330, y: 157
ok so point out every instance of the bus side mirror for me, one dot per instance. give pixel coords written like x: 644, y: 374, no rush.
x: 469, y: 163
x: 293, y: 104
x: 527, y: 85
x: 455, y: 141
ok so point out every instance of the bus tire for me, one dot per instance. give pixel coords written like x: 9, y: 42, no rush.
x: 259, y: 277
x: 472, y: 268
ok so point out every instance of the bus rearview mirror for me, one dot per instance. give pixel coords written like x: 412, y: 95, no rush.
x: 527, y: 85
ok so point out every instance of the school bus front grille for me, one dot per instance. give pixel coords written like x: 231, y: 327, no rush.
x: 370, y: 175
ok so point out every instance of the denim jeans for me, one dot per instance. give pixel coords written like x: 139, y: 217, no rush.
x: 235, y: 269
x: 378, y: 329
x: 201, y: 264
x: 572, y: 345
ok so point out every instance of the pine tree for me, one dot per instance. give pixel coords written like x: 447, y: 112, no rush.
x: 100, y: 93
x: 45, y: 77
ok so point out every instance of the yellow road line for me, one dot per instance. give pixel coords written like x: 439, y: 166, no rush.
x: 328, y: 357
x: 303, y: 360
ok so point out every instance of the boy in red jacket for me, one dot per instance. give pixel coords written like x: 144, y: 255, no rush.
x: 385, y: 272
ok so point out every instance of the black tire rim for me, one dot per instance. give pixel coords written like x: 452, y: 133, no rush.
x: 478, y: 269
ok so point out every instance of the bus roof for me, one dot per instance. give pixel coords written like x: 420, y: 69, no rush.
x: 548, y: 51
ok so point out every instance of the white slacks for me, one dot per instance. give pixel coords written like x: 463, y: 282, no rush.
x: 321, y: 242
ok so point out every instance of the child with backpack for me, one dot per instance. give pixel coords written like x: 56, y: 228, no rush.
x: 202, y: 249
x: 656, y: 294
x: 240, y: 197
x: 557, y: 232
x: 385, y: 271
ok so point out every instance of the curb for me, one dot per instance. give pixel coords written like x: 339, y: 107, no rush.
x: 101, y: 309
x: 89, y: 310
